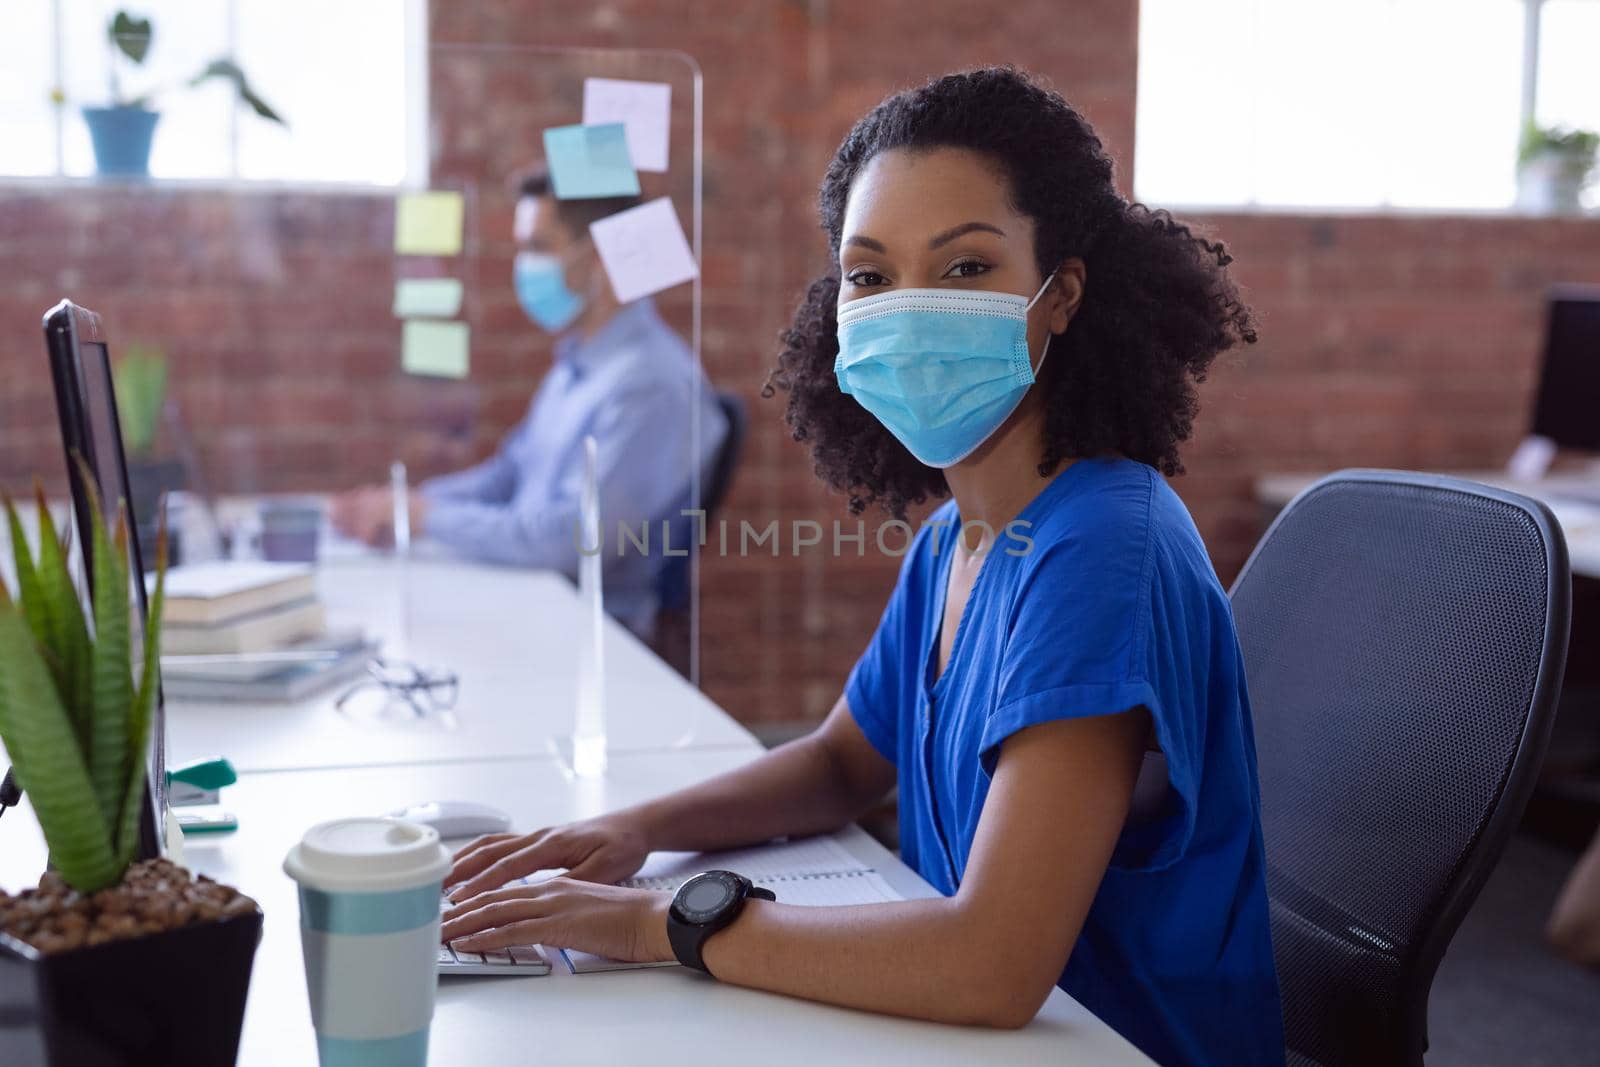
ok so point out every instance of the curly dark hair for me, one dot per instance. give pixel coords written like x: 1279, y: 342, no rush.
x: 1158, y: 304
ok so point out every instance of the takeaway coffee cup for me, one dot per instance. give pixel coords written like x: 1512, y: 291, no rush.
x: 369, y: 926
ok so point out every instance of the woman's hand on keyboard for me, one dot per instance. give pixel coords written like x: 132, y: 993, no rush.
x: 607, y: 920
x: 595, y: 850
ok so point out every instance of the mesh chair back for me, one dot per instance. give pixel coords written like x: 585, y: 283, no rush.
x: 1403, y: 638
x: 721, y: 476
x: 672, y: 581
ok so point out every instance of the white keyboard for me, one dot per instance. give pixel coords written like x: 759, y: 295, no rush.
x: 525, y: 960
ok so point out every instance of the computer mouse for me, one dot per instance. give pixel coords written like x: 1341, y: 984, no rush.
x: 456, y: 818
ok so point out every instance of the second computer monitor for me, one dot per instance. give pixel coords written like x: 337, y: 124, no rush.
x: 1567, y: 407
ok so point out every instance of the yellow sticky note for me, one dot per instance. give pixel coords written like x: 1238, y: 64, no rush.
x: 428, y: 224
x: 434, y: 298
x: 438, y: 349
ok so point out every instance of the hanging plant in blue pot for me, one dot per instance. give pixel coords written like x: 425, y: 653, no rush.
x: 123, y: 131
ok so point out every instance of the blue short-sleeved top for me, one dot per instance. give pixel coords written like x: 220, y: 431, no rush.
x: 1098, y: 599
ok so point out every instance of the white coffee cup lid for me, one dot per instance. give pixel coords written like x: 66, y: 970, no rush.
x: 367, y: 855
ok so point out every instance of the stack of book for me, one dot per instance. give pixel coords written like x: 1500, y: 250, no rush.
x: 253, y: 632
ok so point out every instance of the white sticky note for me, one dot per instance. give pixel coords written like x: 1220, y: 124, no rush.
x: 437, y: 349
x: 643, y: 249
x: 435, y: 298
x: 645, y: 108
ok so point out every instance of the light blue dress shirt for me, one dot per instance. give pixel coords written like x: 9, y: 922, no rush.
x: 635, y: 386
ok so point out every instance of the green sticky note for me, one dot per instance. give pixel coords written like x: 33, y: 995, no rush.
x: 434, y: 348
x: 434, y: 298
x: 428, y: 224
x: 590, y: 161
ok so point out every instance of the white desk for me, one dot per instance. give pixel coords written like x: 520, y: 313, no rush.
x: 512, y: 638
x: 665, y: 1017
x: 510, y: 635
x: 1570, y: 498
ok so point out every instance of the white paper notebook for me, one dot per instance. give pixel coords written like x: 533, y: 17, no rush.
x: 813, y: 872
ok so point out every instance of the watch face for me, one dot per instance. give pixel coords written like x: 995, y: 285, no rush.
x: 703, y: 897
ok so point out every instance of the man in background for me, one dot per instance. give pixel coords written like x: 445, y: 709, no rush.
x: 621, y: 374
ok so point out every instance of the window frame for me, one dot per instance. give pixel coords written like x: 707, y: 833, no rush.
x: 417, y: 121
x: 1532, y: 11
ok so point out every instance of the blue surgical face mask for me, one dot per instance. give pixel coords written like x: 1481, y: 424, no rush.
x: 940, y: 368
x: 542, y: 291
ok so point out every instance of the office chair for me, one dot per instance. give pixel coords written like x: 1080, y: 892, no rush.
x: 721, y: 477
x: 672, y: 639
x: 1404, y: 637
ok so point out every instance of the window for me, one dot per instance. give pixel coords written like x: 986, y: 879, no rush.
x: 1355, y: 103
x: 349, y: 78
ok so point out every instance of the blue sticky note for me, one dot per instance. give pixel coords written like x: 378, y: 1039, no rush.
x: 590, y: 161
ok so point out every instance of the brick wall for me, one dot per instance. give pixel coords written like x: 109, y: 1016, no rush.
x: 1386, y: 340
x: 1401, y: 341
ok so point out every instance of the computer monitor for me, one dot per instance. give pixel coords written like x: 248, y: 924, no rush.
x: 86, y: 404
x: 1567, y: 406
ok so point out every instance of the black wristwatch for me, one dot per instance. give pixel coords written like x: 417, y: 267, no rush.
x: 703, y: 905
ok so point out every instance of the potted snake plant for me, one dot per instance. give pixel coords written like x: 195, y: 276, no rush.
x: 114, y: 958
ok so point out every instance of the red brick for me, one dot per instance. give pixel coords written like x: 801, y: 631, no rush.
x: 1391, y: 338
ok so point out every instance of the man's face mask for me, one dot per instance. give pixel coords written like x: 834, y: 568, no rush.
x: 941, y: 369
x: 542, y: 291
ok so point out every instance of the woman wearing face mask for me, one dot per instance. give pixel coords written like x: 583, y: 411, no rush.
x: 1062, y: 705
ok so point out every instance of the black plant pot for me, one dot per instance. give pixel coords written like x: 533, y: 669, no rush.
x: 175, y: 999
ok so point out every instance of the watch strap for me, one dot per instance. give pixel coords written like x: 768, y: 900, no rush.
x: 688, y: 939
